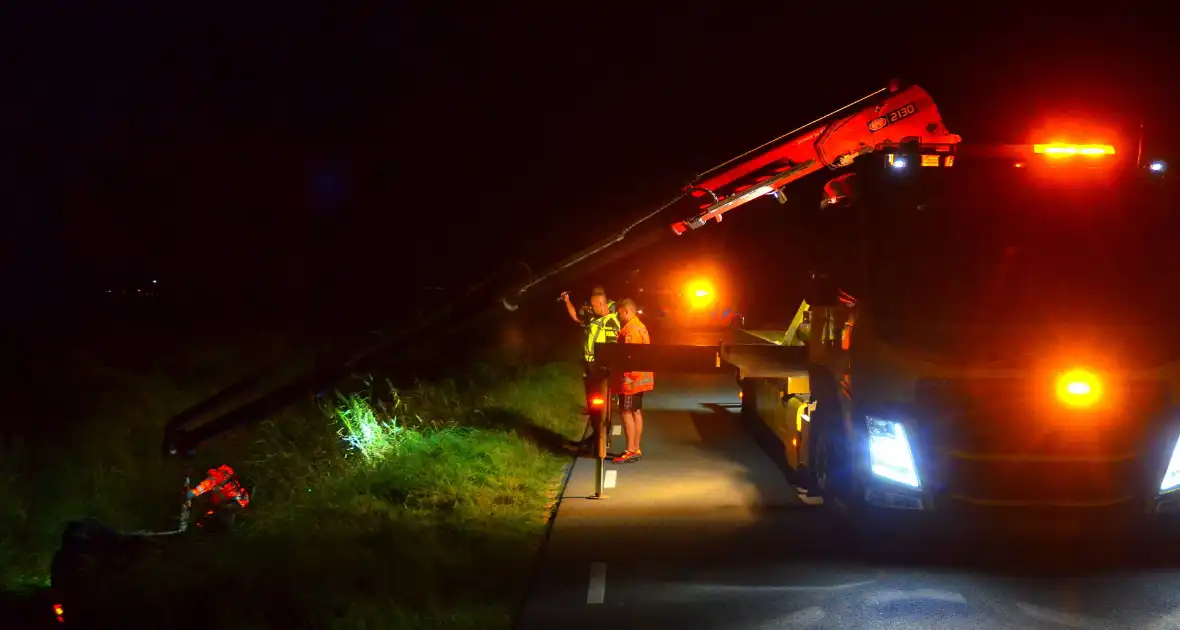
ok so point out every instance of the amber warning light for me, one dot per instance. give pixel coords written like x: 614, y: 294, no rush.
x: 1079, y: 388
x: 699, y: 292
x: 1061, y: 150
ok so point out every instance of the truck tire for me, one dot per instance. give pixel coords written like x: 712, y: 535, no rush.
x: 833, y: 476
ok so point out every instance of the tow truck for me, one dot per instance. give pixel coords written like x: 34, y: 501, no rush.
x: 988, y: 331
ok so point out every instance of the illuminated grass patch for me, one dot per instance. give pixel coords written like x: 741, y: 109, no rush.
x: 418, y: 507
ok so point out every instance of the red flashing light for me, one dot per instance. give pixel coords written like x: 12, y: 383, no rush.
x: 597, y: 401
x: 59, y: 612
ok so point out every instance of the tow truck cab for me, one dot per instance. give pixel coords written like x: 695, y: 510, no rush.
x: 994, y: 329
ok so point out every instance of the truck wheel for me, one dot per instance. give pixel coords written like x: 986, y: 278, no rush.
x: 833, y: 472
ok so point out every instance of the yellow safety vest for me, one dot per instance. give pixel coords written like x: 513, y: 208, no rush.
x: 603, y: 329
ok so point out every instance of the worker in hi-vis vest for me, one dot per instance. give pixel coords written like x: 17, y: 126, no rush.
x: 633, y: 384
x: 603, y: 327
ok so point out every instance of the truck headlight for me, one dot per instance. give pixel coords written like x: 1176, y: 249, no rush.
x: 890, y: 456
x: 1172, y: 476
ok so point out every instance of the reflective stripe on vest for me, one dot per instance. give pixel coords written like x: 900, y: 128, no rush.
x: 604, y: 329
x: 636, y: 382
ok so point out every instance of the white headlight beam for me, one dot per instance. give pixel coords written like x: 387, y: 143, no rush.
x: 1171, y: 479
x: 890, y: 455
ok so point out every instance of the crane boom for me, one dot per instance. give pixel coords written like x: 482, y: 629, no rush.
x: 887, y: 116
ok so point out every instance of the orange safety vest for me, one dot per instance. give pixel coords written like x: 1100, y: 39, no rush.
x: 636, y: 382
x: 221, y: 481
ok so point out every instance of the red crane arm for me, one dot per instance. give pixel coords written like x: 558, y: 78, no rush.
x: 888, y: 116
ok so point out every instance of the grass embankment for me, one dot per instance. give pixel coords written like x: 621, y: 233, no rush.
x: 381, y: 508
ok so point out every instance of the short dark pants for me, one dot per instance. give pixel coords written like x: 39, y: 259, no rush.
x: 631, y: 402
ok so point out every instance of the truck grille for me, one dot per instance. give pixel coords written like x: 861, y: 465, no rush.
x: 1005, y: 441
x: 1066, y: 484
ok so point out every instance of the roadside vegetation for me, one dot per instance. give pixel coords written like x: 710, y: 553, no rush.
x: 374, y: 506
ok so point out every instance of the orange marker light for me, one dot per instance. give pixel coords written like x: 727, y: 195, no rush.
x: 1058, y: 150
x: 699, y: 292
x: 1079, y: 388
x: 597, y: 401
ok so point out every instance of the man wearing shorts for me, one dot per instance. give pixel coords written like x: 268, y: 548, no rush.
x: 634, y: 384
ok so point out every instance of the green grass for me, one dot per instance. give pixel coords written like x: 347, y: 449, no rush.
x: 381, y: 508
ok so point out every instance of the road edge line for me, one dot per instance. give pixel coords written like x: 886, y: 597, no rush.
x: 596, y: 589
x: 543, y: 548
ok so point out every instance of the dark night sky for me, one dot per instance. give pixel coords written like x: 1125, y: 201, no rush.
x: 419, y: 146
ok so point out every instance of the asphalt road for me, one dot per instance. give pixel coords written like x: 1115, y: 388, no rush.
x: 705, y: 532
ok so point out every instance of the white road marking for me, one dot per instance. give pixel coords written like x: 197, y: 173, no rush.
x: 611, y: 477
x: 596, y: 593
x: 617, y: 430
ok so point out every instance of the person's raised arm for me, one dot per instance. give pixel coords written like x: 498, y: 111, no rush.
x: 569, y: 308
